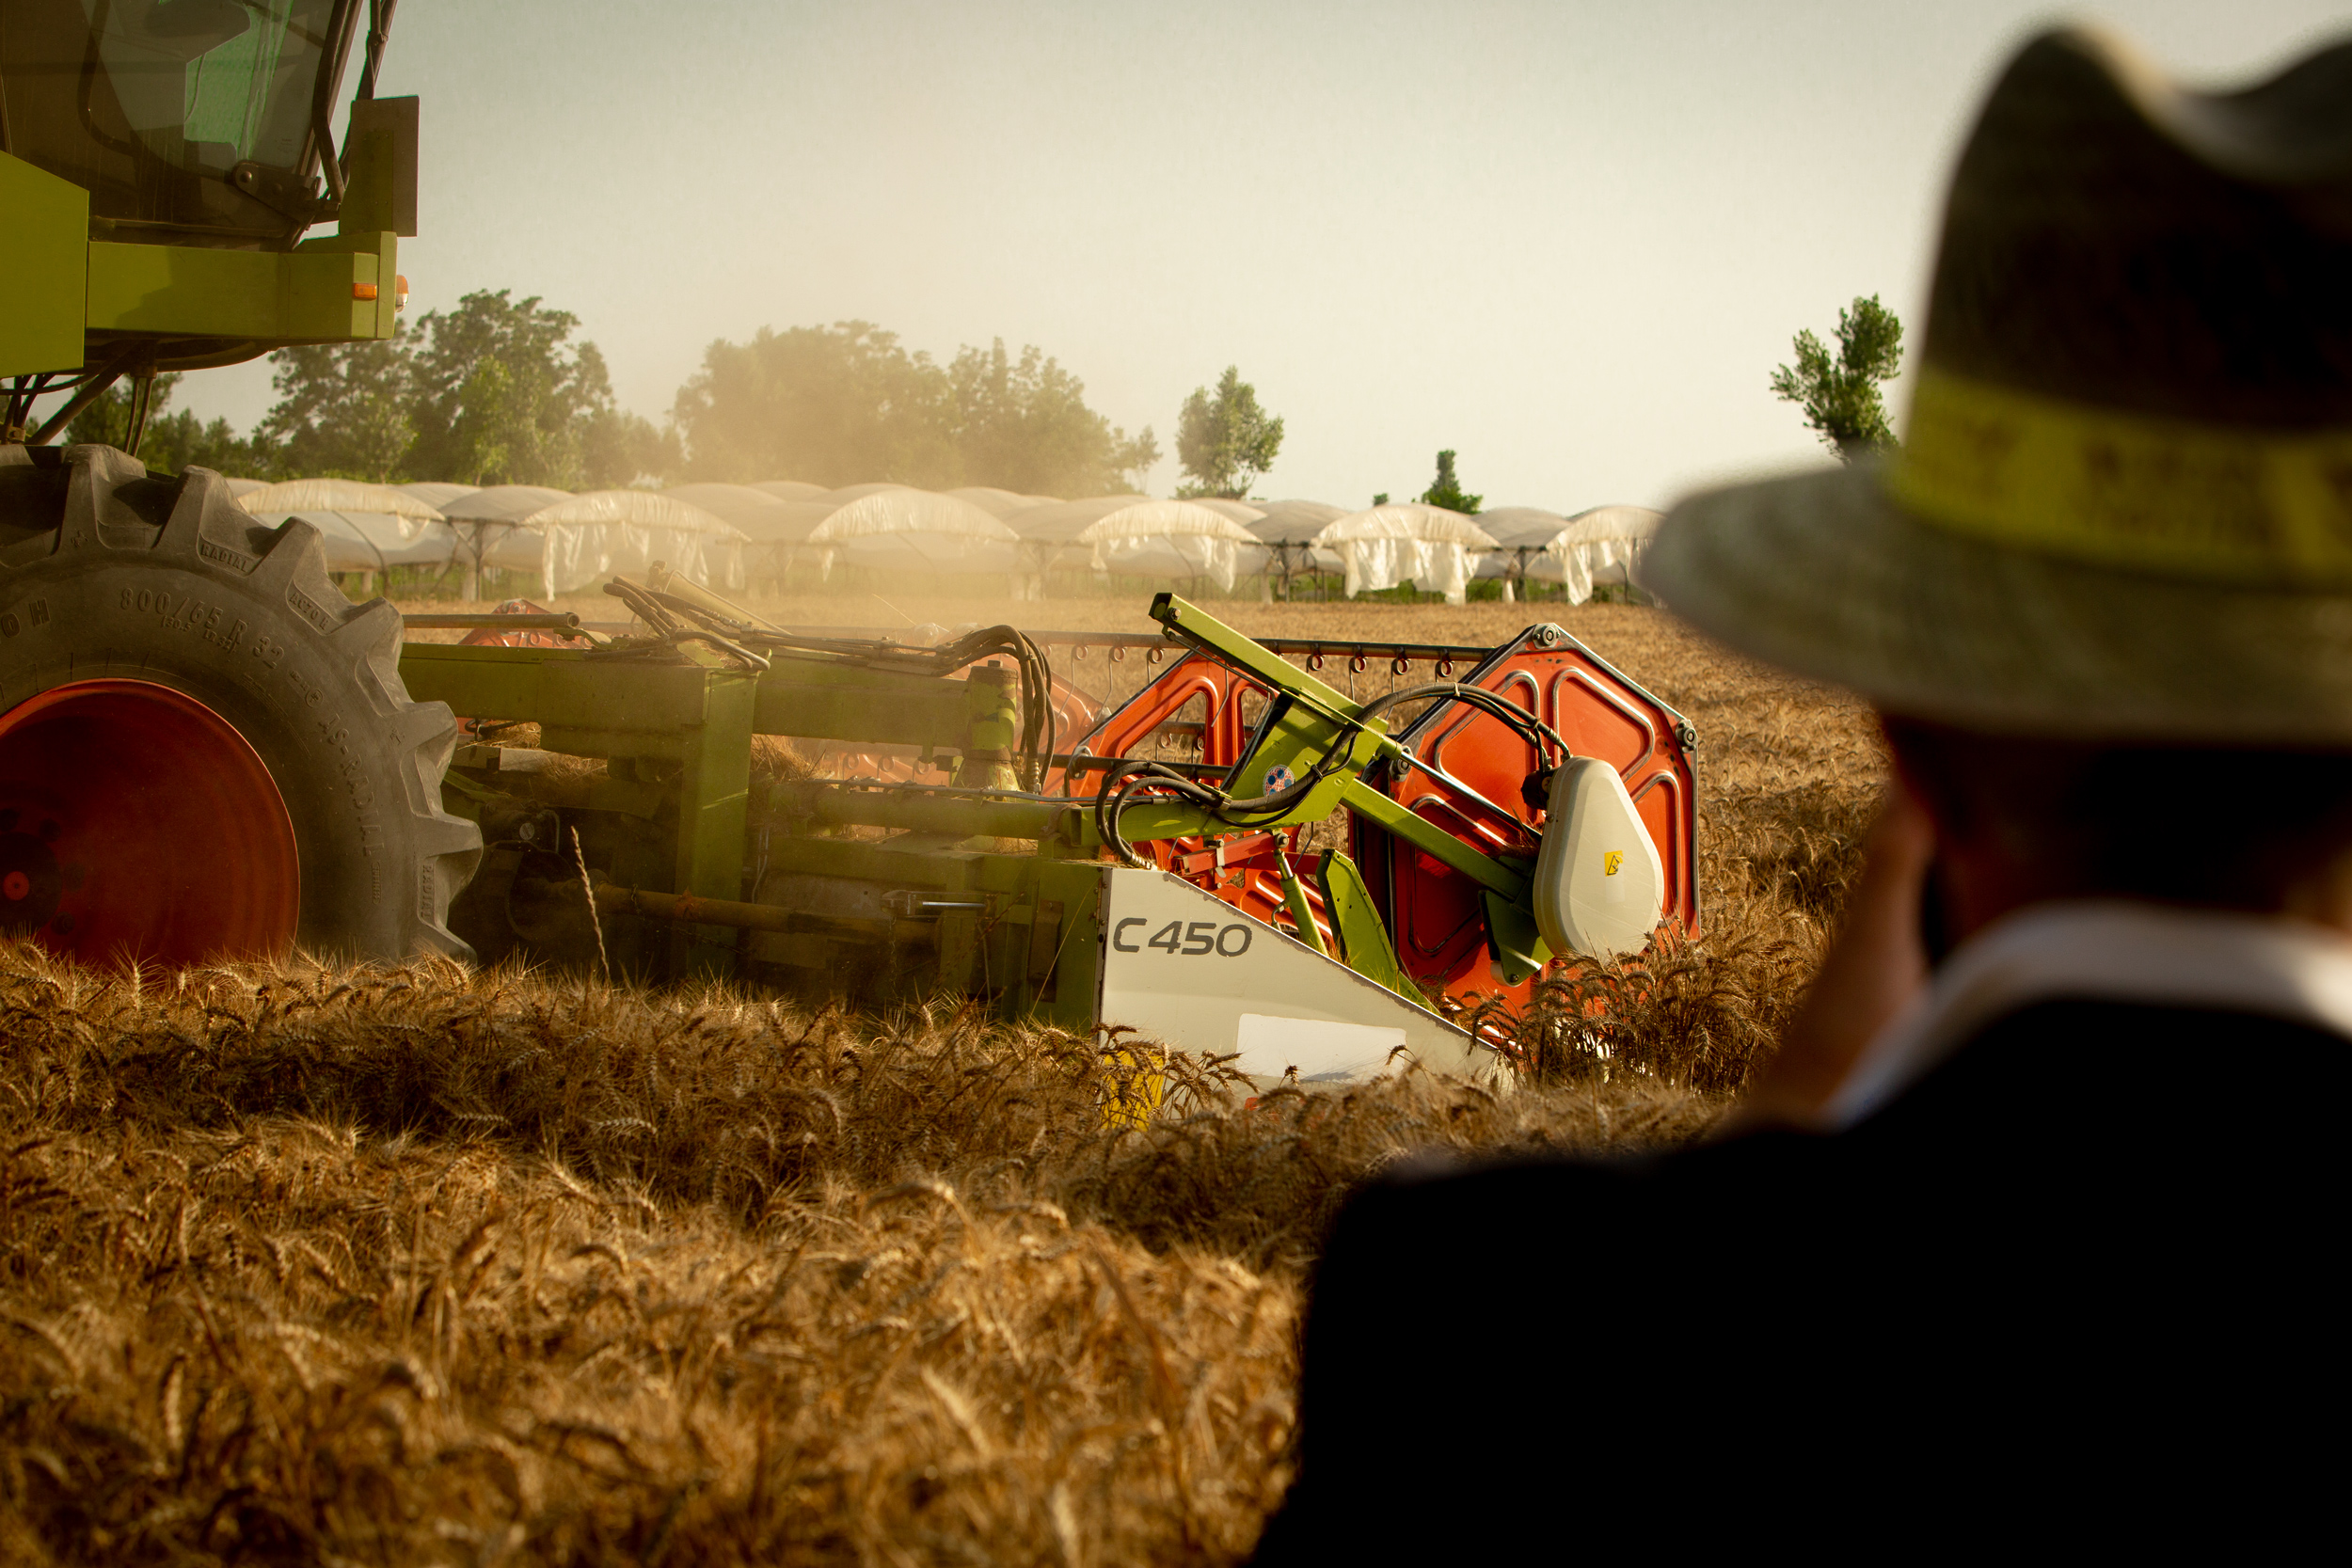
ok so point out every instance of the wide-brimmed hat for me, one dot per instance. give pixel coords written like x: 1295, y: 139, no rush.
x: 2123, y: 507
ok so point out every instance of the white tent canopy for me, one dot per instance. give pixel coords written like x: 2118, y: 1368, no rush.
x: 1138, y: 535
x: 743, y: 506
x: 1173, y: 539
x: 1523, y: 535
x: 575, y: 541
x: 1601, y: 545
x: 895, y: 529
x: 377, y: 541
x: 1295, y: 522
x: 793, y: 522
x: 788, y: 489
x: 436, y: 493
x: 501, y: 503
x: 849, y: 493
x: 581, y: 540
x: 1063, y: 521
x: 336, y: 495
x: 1000, y: 503
x: 1521, y: 526
x: 1405, y: 542
x: 363, y: 527
x: 1244, y: 513
x: 481, y: 521
x: 1287, y: 525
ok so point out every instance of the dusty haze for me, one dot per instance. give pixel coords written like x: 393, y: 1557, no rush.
x: 1569, y: 240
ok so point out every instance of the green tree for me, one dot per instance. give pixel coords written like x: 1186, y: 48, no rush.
x: 501, y: 395
x: 492, y: 392
x: 832, y: 405
x: 1024, y: 425
x: 845, y: 404
x: 1226, y: 442
x: 343, y: 411
x: 1447, y: 491
x: 1840, y: 396
x: 624, y: 448
x: 172, y: 442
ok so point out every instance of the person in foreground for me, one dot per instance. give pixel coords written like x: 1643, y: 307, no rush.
x: 2027, y: 1243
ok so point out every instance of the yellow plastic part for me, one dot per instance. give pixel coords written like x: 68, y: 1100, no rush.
x: 44, y: 246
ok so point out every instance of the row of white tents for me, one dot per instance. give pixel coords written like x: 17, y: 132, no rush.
x: 733, y: 535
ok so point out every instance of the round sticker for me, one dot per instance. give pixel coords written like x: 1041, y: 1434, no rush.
x: 1278, y: 778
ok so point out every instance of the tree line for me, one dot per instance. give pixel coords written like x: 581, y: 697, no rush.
x: 501, y: 391
x: 848, y: 402
x: 494, y: 392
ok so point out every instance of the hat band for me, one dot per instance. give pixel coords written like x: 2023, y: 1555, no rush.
x: 2222, y: 502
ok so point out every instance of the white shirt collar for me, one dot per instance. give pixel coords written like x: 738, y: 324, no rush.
x: 2105, y: 951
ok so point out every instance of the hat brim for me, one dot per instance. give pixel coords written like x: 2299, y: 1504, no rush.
x: 1823, y: 574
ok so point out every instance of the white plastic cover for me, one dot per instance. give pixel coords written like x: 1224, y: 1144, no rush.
x: 376, y: 541
x: 1521, y: 534
x: 1599, y: 885
x: 849, y: 493
x: 1243, y: 513
x: 1517, y: 528
x: 1173, y: 539
x: 436, y: 493
x: 1063, y: 522
x: 1001, y: 503
x: 1138, y: 535
x: 895, y: 529
x: 1601, y: 545
x: 753, y: 511
x: 1287, y: 525
x: 1405, y: 542
x: 336, y: 495
x: 584, y: 539
x: 503, y: 504
x: 1295, y: 522
x: 789, y: 489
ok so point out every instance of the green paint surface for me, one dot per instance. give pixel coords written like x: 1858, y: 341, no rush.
x: 44, y: 242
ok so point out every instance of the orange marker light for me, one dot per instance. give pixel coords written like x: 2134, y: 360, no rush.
x: 400, y: 292
x: 363, y: 290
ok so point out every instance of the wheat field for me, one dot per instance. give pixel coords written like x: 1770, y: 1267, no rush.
x: 423, y: 1266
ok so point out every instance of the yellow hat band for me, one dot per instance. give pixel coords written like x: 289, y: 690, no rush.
x: 2229, y: 504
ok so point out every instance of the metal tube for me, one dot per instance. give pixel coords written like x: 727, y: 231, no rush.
x: 92, y: 390
x: 693, y: 911
x: 963, y: 816
x: 1345, y: 647
x: 555, y: 621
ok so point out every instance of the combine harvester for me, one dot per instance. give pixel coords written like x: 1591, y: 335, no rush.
x: 205, y: 748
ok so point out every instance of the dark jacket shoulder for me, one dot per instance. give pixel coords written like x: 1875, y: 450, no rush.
x: 2090, y: 1230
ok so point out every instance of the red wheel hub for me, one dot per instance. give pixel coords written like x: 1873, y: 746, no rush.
x: 137, y: 823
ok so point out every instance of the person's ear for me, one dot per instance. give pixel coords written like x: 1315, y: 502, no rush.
x: 1913, y: 754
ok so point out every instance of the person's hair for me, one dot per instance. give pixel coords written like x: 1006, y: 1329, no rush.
x: 2233, y: 827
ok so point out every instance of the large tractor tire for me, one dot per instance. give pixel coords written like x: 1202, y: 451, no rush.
x: 205, y: 750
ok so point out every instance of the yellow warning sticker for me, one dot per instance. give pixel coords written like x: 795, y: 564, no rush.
x: 1609, y: 862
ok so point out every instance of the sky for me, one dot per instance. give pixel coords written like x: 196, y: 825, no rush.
x: 1570, y: 241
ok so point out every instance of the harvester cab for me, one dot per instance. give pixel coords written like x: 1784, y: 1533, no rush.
x: 160, y: 163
